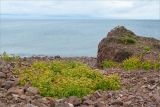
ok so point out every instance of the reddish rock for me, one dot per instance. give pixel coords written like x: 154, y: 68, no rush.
x: 100, y: 105
x: 74, y: 100
x: 32, y: 90
x: 7, y: 84
x: 16, y: 90
x: 122, y: 43
x: 88, y: 102
x: 30, y: 105
x: 2, y: 75
x: 2, y: 104
x: 117, y: 102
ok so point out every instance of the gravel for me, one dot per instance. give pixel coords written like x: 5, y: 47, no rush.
x: 139, y: 89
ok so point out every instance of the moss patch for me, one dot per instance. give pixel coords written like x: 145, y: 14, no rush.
x: 127, y: 40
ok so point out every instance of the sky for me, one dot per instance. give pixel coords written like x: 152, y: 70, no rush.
x: 80, y: 9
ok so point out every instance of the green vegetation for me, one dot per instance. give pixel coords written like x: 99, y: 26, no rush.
x: 147, y: 65
x: 156, y: 66
x: 109, y: 64
x: 66, y: 78
x: 7, y: 57
x: 147, y: 49
x: 132, y: 63
x: 127, y: 40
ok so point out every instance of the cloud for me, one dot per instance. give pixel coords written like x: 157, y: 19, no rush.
x: 108, y: 9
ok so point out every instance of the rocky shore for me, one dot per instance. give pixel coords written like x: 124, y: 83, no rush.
x: 139, y: 89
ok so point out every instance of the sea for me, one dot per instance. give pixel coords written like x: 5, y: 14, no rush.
x: 67, y: 38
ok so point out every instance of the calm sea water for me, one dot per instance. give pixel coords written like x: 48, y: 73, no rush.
x: 64, y: 37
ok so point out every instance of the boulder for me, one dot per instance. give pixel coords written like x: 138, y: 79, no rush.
x: 122, y: 43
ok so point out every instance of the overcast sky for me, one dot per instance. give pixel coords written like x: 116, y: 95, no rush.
x: 80, y: 9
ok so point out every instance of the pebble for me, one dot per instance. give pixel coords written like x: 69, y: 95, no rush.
x: 32, y: 90
x: 7, y: 84
x: 15, y: 96
x: 100, y: 104
x: 88, y: 102
x: 83, y: 106
x: 117, y: 102
x: 97, y: 94
x: 15, y: 90
x: 2, y: 104
x: 2, y: 75
x: 65, y: 104
x: 157, y: 98
x: 74, y: 100
x: 30, y: 105
x: 127, y: 104
x: 23, y: 97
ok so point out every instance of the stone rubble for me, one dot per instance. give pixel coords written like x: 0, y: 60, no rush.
x: 139, y: 89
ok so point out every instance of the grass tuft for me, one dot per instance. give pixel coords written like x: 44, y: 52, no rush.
x: 110, y: 64
x: 8, y: 58
x: 131, y: 63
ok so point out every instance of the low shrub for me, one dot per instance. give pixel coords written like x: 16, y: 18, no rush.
x: 109, y: 64
x: 146, y: 49
x: 156, y: 66
x: 147, y: 65
x: 66, y: 78
x: 131, y: 63
x: 7, y: 57
x: 134, y: 63
x: 110, y: 83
